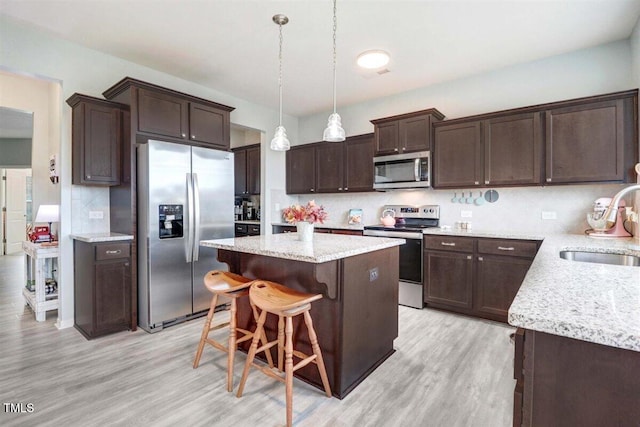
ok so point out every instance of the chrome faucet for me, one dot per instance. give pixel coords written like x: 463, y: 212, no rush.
x: 611, y: 214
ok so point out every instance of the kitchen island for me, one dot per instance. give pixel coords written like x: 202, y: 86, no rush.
x: 357, y: 318
x: 577, y: 350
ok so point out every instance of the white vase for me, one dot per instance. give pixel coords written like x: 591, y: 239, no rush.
x: 305, y: 231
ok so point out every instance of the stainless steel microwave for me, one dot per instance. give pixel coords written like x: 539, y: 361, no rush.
x: 411, y: 170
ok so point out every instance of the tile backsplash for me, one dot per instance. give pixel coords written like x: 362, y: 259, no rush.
x: 85, y: 202
x: 517, y: 209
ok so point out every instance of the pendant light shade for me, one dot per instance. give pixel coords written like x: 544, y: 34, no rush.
x: 280, y: 142
x: 334, y: 131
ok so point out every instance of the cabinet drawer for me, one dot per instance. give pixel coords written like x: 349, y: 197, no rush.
x: 521, y: 248
x: 242, y: 228
x: 113, y: 251
x: 449, y: 243
x: 254, y: 230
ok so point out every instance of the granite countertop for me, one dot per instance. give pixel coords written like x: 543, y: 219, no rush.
x: 335, y: 225
x: 587, y: 301
x: 323, y: 248
x: 101, y: 237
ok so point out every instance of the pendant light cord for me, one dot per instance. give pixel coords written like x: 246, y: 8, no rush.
x: 335, y: 27
x: 280, y: 73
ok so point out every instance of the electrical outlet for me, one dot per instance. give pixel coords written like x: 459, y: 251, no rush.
x: 549, y: 215
x: 466, y: 214
x: 96, y: 215
x: 373, y: 274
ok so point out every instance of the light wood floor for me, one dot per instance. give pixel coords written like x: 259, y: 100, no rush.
x: 447, y: 370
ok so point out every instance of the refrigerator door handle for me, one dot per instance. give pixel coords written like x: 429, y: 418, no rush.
x: 188, y: 247
x: 196, y: 217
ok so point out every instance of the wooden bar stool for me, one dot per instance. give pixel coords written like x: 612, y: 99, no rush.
x: 233, y: 286
x: 286, y: 303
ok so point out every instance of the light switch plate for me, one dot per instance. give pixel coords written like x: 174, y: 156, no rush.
x: 466, y: 214
x: 549, y: 215
x: 96, y: 215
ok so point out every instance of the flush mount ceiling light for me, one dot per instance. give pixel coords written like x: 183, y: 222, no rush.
x: 334, y: 131
x: 372, y: 59
x: 280, y: 142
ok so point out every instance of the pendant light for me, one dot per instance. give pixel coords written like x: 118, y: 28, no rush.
x: 280, y: 142
x: 334, y: 131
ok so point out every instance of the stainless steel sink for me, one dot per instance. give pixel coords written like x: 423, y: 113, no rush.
x: 601, y: 258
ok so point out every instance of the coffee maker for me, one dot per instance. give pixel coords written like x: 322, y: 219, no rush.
x: 595, y: 220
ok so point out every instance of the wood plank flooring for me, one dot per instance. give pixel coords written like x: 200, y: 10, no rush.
x: 448, y: 370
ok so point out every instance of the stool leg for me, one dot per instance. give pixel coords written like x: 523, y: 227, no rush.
x: 288, y: 369
x: 231, y: 349
x: 205, y: 330
x: 316, y: 350
x: 263, y: 338
x: 280, y: 342
x: 252, y: 351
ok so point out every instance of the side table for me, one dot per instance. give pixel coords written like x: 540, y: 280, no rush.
x: 34, y: 265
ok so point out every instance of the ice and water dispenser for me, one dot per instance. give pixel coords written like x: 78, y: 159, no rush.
x: 170, y: 221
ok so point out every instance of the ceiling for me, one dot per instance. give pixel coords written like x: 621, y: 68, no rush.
x: 232, y: 46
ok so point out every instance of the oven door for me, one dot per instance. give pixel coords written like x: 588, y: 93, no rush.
x: 410, y: 292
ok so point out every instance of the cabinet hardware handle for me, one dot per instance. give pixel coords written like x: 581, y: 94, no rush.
x: 469, y: 257
x: 548, y: 179
x: 502, y: 248
x: 480, y: 258
x: 339, y: 188
x: 193, y: 137
x: 126, y: 264
x: 114, y: 252
x: 346, y: 188
x: 312, y: 189
x: 395, y: 149
x: 184, y: 135
x: 477, y: 182
x: 447, y: 244
x: 487, y: 181
x: 88, y: 176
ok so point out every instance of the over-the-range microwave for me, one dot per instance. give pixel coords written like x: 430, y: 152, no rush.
x: 410, y: 170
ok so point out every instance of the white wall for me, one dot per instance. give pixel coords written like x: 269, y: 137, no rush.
x: 27, y: 50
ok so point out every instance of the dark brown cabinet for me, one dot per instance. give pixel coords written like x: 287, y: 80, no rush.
x: 329, y: 167
x: 102, y: 288
x: 563, y: 381
x: 174, y: 116
x: 247, y: 170
x: 591, y: 139
x: 97, y: 135
x: 475, y: 276
x: 405, y: 133
x: 586, y: 143
x: 242, y: 230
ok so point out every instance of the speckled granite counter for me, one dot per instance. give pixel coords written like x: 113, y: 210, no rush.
x: 333, y: 225
x: 591, y: 302
x: 323, y: 248
x: 101, y: 237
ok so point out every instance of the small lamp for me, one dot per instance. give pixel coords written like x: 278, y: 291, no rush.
x: 48, y: 214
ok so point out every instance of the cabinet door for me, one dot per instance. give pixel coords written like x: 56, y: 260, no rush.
x: 240, y: 171
x: 329, y: 167
x: 358, y: 163
x: 112, y: 293
x: 498, y: 279
x: 253, y: 170
x: 415, y: 134
x: 386, y: 137
x: 449, y: 278
x: 585, y: 143
x: 457, y: 156
x: 162, y: 114
x: 209, y: 125
x: 301, y: 169
x: 97, y: 145
x: 513, y: 150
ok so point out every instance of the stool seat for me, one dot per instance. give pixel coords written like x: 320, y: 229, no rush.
x: 233, y: 286
x: 286, y: 303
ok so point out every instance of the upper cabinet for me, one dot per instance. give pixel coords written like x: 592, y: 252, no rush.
x: 590, y: 139
x: 97, y: 133
x: 330, y: 167
x: 405, y: 133
x: 173, y: 116
x: 247, y: 170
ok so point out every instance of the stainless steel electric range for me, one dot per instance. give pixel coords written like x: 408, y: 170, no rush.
x: 410, y: 222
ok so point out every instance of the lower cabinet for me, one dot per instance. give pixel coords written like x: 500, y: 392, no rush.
x: 475, y: 276
x: 102, y: 287
x: 563, y: 381
x: 242, y: 230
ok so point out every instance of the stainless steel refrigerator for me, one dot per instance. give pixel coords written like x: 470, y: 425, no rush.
x: 185, y: 194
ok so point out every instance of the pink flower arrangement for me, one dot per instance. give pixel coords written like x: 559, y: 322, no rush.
x: 310, y: 213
